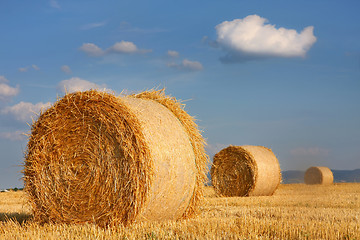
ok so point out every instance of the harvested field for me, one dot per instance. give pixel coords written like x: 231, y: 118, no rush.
x: 295, y: 211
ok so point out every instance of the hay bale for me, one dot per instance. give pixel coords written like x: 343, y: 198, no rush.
x: 96, y: 158
x: 318, y: 175
x: 245, y: 171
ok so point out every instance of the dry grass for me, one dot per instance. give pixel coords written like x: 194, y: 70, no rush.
x: 295, y: 211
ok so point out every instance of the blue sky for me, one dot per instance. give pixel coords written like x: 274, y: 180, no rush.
x: 282, y: 74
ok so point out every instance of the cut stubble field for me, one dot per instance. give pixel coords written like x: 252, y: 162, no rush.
x: 295, y: 211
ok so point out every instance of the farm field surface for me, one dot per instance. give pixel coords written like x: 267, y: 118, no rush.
x: 295, y: 211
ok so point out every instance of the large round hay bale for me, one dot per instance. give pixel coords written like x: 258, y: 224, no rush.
x: 245, y: 171
x: 318, y: 175
x: 96, y: 158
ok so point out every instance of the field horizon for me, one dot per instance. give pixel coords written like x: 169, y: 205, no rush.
x: 288, y: 177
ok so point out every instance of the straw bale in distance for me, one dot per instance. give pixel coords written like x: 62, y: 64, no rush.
x: 245, y: 171
x: 318, y: 175
x: 96, y: 158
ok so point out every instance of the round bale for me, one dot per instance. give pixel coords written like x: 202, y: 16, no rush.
x: 318, y: 175
x: 245, y: 171
x: 96, y: 158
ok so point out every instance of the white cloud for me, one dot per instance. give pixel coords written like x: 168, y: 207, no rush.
x: 126, y: 47
x: 77, y: 84
x: 91, y: 49
x: 311, y: 151
x: 192, y: 65
x: 5, y: 90
x: 23, y: 111
x: 66, y: 69
x: 252, y: 37
x: 13, y: 136
x: 93, y: 25
x: 123, y: 47
x: 35, y: 67
x: 54, y: 4
x: 23, y: 69
x: 172, y: 53
x: 187, y: 65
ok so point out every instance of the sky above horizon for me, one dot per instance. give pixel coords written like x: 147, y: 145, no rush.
x: 281, y: 74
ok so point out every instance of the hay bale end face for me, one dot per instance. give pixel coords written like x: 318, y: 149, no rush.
x: 245, y: 171
x: 318, y: 175
x: 96, y: 158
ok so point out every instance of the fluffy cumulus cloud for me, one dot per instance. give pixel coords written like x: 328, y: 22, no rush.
x: 123, y: 47
x: 77, y: 84
x: 24, y: 111
x: 187, y: 65
x: 252, y: 37
x: 6, y: 91
x: 66, y: 69
x: 192, y: 65
x: 172, y: 53
x: 91, y: 49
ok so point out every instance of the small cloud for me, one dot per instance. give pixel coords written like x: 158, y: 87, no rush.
x: 192, y: 65
x: 123, y: 47
x: 93, y: 25
x: 6, y: 91
x: 172, y: 53
x: 23, y: 111
x: 252, y: 38
x: 66, y: 69
x: 76, y: 84
x: 92, y: 50
x: 310, y: 152
x: 187, y: 65
x: 23, y: 69
x: 54, y: 4
x: 13, y: 136
x: 35, y: 67
x: 126, y: 47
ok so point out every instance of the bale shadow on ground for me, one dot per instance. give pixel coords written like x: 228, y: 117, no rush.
x: 20, y: 218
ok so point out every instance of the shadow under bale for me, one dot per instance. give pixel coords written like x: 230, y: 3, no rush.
x: 20, y: 218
